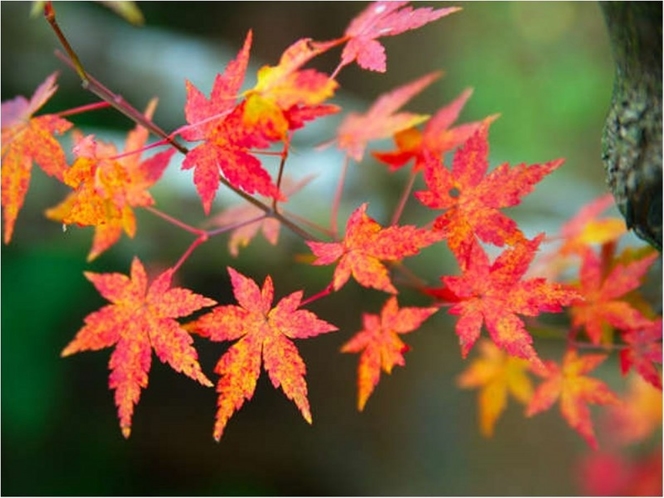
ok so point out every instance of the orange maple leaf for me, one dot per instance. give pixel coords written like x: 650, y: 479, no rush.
x: 261, y: 331
x: 569, y: 384
x: 140, y: 318
x: 380, y: 121
x: 604, y: 305
x: 380, y: 345
x: 365, y: 245
x: 639, y: 416
x: 497, y: 374
x: 285, y: 95
x: 437, y: 137
x: 494, y: 294
x: 383, y: 19
x: 108, y: 187
x: 472, y: 198
x: 27, y: 139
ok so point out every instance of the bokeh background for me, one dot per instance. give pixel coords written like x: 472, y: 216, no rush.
x: 545, y: 67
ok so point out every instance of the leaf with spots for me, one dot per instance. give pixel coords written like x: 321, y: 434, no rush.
x: 140, y: 318
x: 379, y: 344
x: 27, y: 139
x: 365, y: 245
x: 264, y: 335
x: 473, y: 198
x: 494, y: 294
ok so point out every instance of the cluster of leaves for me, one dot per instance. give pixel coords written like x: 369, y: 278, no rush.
x: 581, y: 275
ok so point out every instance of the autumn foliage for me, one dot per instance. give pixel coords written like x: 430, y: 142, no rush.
x: 505, y: 281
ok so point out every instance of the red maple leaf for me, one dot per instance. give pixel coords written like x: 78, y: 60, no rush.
x: 383, y: 19
x: 227, y: 141
x: 569, y: 384
x: 108, y: 187
x: 437, y: 138
x: 472, y: 198
x: 494, y: 294
x: 604, y: 305
x: 27, y: 139
x: 380, y: 121
x: 365, y: 245
x: 644, y: 349
x: 380, y: 345
x: 261, y: 331
x: 140, y: 318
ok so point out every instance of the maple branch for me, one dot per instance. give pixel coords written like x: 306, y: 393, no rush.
x: 337, y: 198
x: 404, y: 197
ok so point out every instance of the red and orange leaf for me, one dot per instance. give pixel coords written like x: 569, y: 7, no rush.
x: 437, y: 138
x: 383, y: 19
x: 380, y: 345
x: 569, y: 384
x: 250, y: 219
x: 494, y: 294
x: 473, y: 199
x: 106, y: 187
x: 644, y: 349
x: 380, y: 121
x: 365, y: 245
x: 604, y: 305
x: 27, y: 139
x: 496, y: 374
x: 219, y: 122
x: 141, y: 318
x: 264, y: 331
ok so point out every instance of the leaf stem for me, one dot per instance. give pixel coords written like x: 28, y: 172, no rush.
x: 84, y: 108
x: 337, y: 199
x: 176, y: 222
x: 325, y: 292
x: 197, y: 242
x: 404, y: 197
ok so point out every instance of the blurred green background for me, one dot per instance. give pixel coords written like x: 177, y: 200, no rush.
x: 545, y: 67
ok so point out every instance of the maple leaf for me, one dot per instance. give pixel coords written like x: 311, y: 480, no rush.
x: 437, y: 137
x: 603, y: 306
x: 220, y: 123
x: 27, y: 139
x: 365, y: 245
x: 285, y: 95
x: 380, y: 121
x: 108, y: 187
x: 472, y: 198
x: 261, y: 331
x: 644, y: 349
x: 494, y: 294
x: 497, y: 374
x: 380, y: 345
x: 575, y: 390
x: 141, y: 318
x: 383, y: 19
x: 242, y: 215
